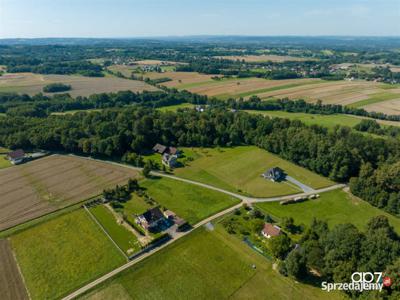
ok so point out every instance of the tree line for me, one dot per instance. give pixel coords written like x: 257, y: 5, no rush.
x: 339, y: 154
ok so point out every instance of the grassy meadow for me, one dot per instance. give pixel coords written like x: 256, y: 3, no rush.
x: 205, y: 265
x: 174, y: 108
x: 60, y: 255
x: 239, y: 169
x: 335, y: 207
x: 124, y: 238
x: 329, y: 121
x: 190, y: 202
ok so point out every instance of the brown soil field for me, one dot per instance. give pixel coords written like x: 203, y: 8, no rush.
x: 390, y: 107
x: 265, y: 58
x: 181, y: 78
x: 36, y: 188
x: 32, y: 84
x: 336, y: 92
x: 11, y: 283
x: 234, y: 87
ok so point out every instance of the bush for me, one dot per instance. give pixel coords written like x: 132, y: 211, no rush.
x: 56, y: 87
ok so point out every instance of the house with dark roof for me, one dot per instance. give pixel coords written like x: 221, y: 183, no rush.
x: 274, y: 174
x: 151, y: 218
x: 16, y: 157
x: 270, y: 230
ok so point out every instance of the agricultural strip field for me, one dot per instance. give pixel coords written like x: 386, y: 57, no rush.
x: 329, y: 121
x: 239, y: 169
x: 335, y: 207
x: 205, y: 265
x: 265, y: 58
x: 245, y: 87
x: 124, y: 238
x: 190, y: 202
x: 36, y: 188
x: 59, y: 256
x: 29, y: 83
x: 11, y: 283
x: 336, y: 92
x: 390, y: 107
x: 182, y: 79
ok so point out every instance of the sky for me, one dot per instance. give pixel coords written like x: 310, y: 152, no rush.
x: 149, y: 18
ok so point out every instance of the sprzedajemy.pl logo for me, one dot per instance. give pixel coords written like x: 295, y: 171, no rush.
x: 360, y: 281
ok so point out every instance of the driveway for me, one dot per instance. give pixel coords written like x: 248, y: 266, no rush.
x: 305, y: 188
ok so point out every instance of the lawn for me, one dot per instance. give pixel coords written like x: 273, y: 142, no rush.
x: 335, y: 207
x: 239, y: 169
x: 59, y: 256
x: 205, y: 265
x: 4, y: 163
x: 124, y: 238
x: 191, y: 202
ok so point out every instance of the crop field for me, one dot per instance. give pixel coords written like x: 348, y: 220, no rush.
x: 329, y: 121
x: 32, y: 84
x: 335, y: 207
x: 239, y: 169
x: 36, y: 188
x: 336, y: 92
x: 390, y: 107
x: 244, y: 87
x: 190, y: 202
x: 124, y: 238
x: 64, y: 253
x: 265, y: 58
x: 182, y: 79
x: 11, y: 283
x: 205, y: 265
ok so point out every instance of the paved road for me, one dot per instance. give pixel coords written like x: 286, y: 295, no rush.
x: 244, y: 199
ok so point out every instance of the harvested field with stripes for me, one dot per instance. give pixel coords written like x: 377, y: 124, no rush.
x: 11, y: 283
x: 34, y: 189
x: 29, y: 83
x: 390, y: 107
x: 182, y: 79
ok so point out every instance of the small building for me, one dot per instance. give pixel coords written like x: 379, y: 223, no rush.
x: 169, y: 214
x: 158, y: 148
x: 151, y: 218
x: 169, y: 160
x: 16, y: 157
x: 270, y: 230
x: 274, y: 174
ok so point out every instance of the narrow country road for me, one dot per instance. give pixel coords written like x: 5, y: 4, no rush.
x: 244, y: 199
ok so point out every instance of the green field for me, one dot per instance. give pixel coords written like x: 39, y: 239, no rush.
x: 329, y: 121
x: 60, y: 255
x: 239, y: 169
x: 205, y: 265
x: 335, y: 207
x: 71, y: 112
x: 124, y: 238
x: 176, y: 107
x: 190, y: 202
